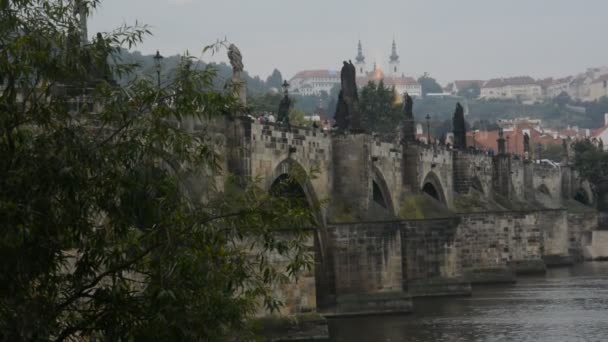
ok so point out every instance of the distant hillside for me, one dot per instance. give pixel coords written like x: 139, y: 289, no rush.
x: 552, y: 114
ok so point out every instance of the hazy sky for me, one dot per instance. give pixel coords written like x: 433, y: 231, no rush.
x: 450, y: 39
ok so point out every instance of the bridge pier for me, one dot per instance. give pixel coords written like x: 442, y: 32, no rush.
x: 368, y: 269
x: 351, y: 177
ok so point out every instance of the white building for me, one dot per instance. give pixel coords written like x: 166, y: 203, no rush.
x: 598, y: 88
x: 558, y: 86
x: 403, y: 84
x: 587, y: 86
x: 523, y: 88
x: 602, y: 133
x: 313, y: 82
x: 394, y: 78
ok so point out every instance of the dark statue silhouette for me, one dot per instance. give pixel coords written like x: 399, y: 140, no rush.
x: 460, y: 130
x: 409, y: 127
x: 283, y: 113
x: 347, y: 111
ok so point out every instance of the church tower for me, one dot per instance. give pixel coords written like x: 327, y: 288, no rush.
x: 360, y: 61
x: 393, y: 62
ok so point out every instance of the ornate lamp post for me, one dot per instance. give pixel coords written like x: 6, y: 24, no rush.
x: 285, y: 87
x: 428, y: 128
x: 283, y: 113
x: 158, y: 60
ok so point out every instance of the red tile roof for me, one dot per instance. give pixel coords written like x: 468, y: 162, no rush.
x: 511, y: 81
x: 597, y: 132
x: 545, y: 82
x: 514, y: 139
x: 317, y: 74
x: 461, y: 84
x: 563, y: 80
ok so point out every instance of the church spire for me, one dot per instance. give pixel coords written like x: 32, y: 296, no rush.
x: 394, y: 57
x: 360, y: 58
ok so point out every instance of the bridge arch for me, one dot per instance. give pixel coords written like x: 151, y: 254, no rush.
x: 432, y: 186
x: 380, y: 191
x: 582, y: 196
x: 543, y: 189
x: 477, y: 185
x: 298, y: 183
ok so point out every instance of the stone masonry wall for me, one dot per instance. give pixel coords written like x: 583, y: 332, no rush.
x: 580, y: 223
x: 517, y: 177
x: 480, y: 169
x: 269, y: 145
x: 555, y: 233
x: 298, y: 295
x: 387, y: 158
x: 367, y: 257
x: 550, y: 177
x: 351, y: 177
x: 498, y: 241
x: 429, y: 249
x: 502, y: 178
x: 438, y: 160
x: 460, y: 174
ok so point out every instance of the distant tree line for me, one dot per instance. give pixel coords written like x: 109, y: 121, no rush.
x: 223, y: 72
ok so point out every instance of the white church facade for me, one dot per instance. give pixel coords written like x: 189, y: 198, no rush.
x: 314, y: 82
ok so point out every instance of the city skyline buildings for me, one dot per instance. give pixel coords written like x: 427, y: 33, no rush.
x: 476, y: 39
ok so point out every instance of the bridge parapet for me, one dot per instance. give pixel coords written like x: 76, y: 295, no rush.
x: 269, y: 151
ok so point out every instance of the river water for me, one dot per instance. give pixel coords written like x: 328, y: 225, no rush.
x: 566, y: 304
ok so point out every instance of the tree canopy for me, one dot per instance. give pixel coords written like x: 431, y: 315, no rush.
x: 378, y: 110
x: 470, y: 92
x: 429, y: 84
x: 275, y: 80
x: 113, y: 227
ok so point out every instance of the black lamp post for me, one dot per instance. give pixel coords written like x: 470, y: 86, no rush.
x: 285, y: 87
x: 508, y: 138
x: 158, y: 60
x: 428, y: 128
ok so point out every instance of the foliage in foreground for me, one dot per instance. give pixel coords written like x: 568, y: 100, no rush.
x: 98, y: 239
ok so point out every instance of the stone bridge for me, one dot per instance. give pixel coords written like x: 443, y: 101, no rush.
x: 400, y: 220
x: 363, y: 177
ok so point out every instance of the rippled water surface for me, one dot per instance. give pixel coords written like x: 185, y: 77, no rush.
x: 569, y: 304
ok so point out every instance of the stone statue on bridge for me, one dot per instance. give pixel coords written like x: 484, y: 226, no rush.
x: 408, y: 133
x: 238, y: 83
x: 101, y: 69
x: 460, y: 130
x: 283, y: 112
x: 347, y: 111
